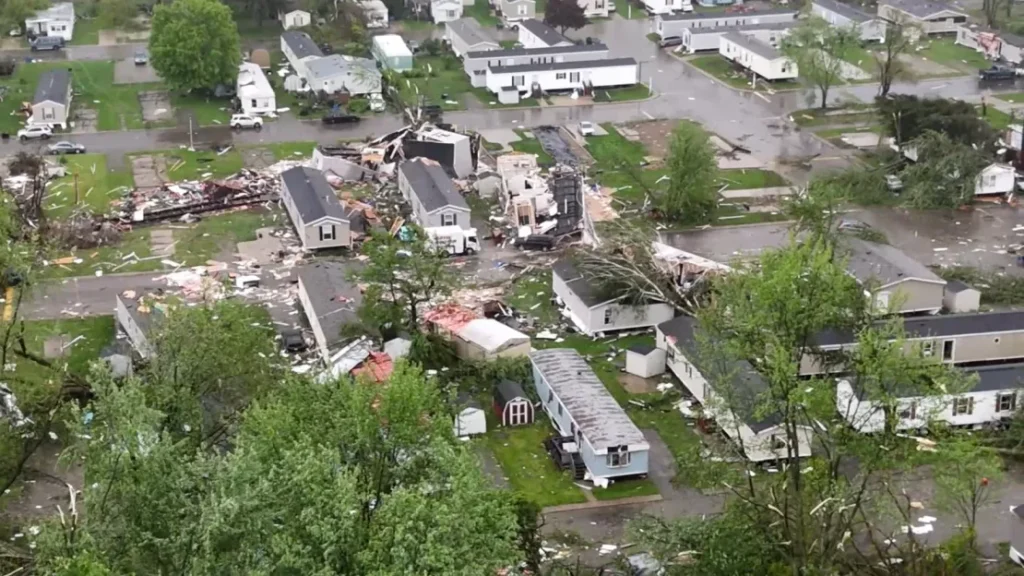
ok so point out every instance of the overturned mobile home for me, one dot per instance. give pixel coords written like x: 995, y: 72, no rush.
x: 454, y: 151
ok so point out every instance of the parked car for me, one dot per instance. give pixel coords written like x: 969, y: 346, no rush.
x: 670, y: 41
x: 239, y: 121
x: 33, y: 132
x: 46, y: 43
x: 414, y: 46
x: 141, y: 57
x: 293, y: 341
x: 65, y: 147
x: 377, y: 102
x: 586, y: 128
x: 611, y: 7
x: 535, y: 242
x: 893, y: 183
x: 340, y: 118
x: 997, y: 72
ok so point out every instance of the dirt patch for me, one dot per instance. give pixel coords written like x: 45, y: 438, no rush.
x: 85, y: 121
x: 654, y: 135
x: 44, y: 485
x: 156, y: 106
x: 128, y: 72
x: 257, y: 158
x: 149, y: 171
x: 637, y: 385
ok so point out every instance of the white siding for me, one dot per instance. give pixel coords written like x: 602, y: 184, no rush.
x: 564, y: 80
x: 995, y: 179
x: 314, y: 322
x: 772, y: 69
x: 49, y: 114
x: 296, y: 19
x: 701, y: 39
x: 595, y: 8
x: 663, y: 6
x: 612, y: 317
x: 445, y: 11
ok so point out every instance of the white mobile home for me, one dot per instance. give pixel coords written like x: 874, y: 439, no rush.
x: 594, y: 312
x: 465, y: 35
x: 898, y: 283
x: 757, y: 57
x: 673, y: 24
x: 476, y: 63
x: 376, y: 13
x: 929, y: 17
x: 337, y: 73
x: 318, y: 216
x: 563, y: 76
x: 594, y: 8
x: 983, y: 40
x: 995, y: 179
x: 517, y: 10
x: 295, y: 19
x: 52, y: 101
x: 663, y: 6
x: 536, y: 34
x: 329, y: 300
x: 432, y: 194
x: 254, y: 90
x: 732, y: 397
x: 299, y: 49
x: 57, y: 20
x: 581, y: 408
x: 992, y: 398
x: 960, y: 298
x: 391, y: 51
x: 442, y: 11
x: 839, y: 14
x: 706, y: 39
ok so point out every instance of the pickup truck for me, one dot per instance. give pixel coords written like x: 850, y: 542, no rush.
x: 996, y: 73
x: 339, y: 118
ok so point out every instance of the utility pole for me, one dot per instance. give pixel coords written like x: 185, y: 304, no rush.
x: 76, y: 188
x: 191, y: 146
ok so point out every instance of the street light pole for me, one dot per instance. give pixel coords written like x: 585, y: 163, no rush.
x: 191, y: 144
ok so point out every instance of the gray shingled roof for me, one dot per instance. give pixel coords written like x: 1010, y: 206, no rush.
x: 578, y: 65
x: 941, y: 326
x: 989, y: 379
x: 747, y: 386
x: 313, y: 196
x: 53, y: 86
x: 956, y: 286
x: 574, y: 49
x: 333, y: 298
x: 546, y: 33
x: 754, y: 45
x: 301, y: 44
x: 845, y: 10
x: 920, y: 8
x: 717, y: 15
x: 431, y: 185
x: 597, y: 414
x: 589, y: 295
x: 744, y: 28
x: 469, y: 30
x: 884, y: 263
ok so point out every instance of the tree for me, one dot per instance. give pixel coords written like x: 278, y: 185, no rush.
x: 965, y: 485
x: 691, y: 197
x: 945, y: 173
x: 899, y: 38
x: 818, y: 49
x: 322, y: 478
x: 991, y: 10
x: 194, y: 44
x: 116, y: 13
x: 564, y: 14
x: 906, y: 117
x: 14, y: 12
x: 401, y: 276
x: 264, y: 10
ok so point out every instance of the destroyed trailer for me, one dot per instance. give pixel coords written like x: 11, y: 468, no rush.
x: 172, y: 201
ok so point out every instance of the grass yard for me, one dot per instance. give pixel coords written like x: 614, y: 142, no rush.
x: 249, y: 29
x: 491, y: 101
x: 995, y: 117
x: 743, y: 179
x: 1012, y: 97
x: 529, y: 469
x: 291, y: 150
x: 637, y: 92
x: 87, y: 31
x: 208, y: 238
x: 945, y: 51
x: 532, y: 146
x: 440, y: 79
x: 531, y: 294
x: 110, y: 259
x: 722, y: 69
x: 852, y: 114
x: 630, y: 11
x: 731, y: 213
x: 97, y: 186
x: 187, y: 165
x: 627, y: 489
x: 117, y: 107
x: 862, y: 58
x: 481, y: 11
x: 207, y: 111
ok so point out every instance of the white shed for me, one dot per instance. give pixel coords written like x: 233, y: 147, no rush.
x: 254, y: 91
x: 760, y: 58
x: 645, y: 361
x: 296, y: 19
x: 959, y: 297
x: 442, y: 11
x: 995, y: 179
x: 376, y: 13
x: 470, y: 421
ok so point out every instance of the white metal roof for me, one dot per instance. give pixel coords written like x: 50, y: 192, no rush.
x: 491, y: 335
x: 252, y: 82
x: 392, y: 45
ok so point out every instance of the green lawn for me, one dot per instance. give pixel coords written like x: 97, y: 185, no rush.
x: 532, y: 146
x: 861, y: 58
x: 531, y: 294
x: 206, y: 239
x: 208, y: 111
x: 87, y: 31
x: 491, y: 101
x: 110, y: 259
x: 742, y: 179
x: 529, y: 469
x: 481, y: 10
x: 441, y: 80
x: 945, y: 51
x: 851, y: 114
x: 630, y: 11
x: 995, y: 117
x: 97, y: 186
x: 1012, y: 97
x: 248, y: 28
x: 417, y: 25
x: 637, y: 92
x: 731, y: 213
x: 186, y: 165
x: 613, y: 149
x: 117, y: 107
x: 627, y: 489
x: 291, y: 150
x: 727, y: 72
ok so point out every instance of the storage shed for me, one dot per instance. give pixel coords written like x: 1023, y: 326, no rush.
x: 960, y: 297
x: 470, y: 421
x: 645, y: 361
x: 512, y: 405
x: 392, y: 52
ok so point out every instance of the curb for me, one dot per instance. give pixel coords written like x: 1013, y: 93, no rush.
x: 602, y: 504
x: 515, y: 108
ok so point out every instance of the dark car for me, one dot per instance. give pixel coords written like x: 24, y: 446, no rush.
x: 670, y: 41
x: 535, y: 242
x: 340, y: 118
x: 996, y: 73
x: 46, y: 43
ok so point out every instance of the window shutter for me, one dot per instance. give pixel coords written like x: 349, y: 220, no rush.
x: 320, y: 229
x: 455, y: 219
x: 1013, y: 401
x: 956, y: 401
x: 970, y: 405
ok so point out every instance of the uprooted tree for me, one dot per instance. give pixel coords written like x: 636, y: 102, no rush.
x: 945, y: 173
x: 906, y: 117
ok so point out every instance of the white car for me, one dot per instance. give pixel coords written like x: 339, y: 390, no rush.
x: 377, y: 102
x: 239, y: 121
x: 586, y: 128
x: 32, y: 132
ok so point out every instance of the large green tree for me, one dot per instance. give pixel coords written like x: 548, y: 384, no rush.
x: 906, y: 117
x: 818, y: 49
x: 945, y: 173
x: 14, y: 12
x: 194, y: 44
x: 690, y: 197
x: 116, y: 13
